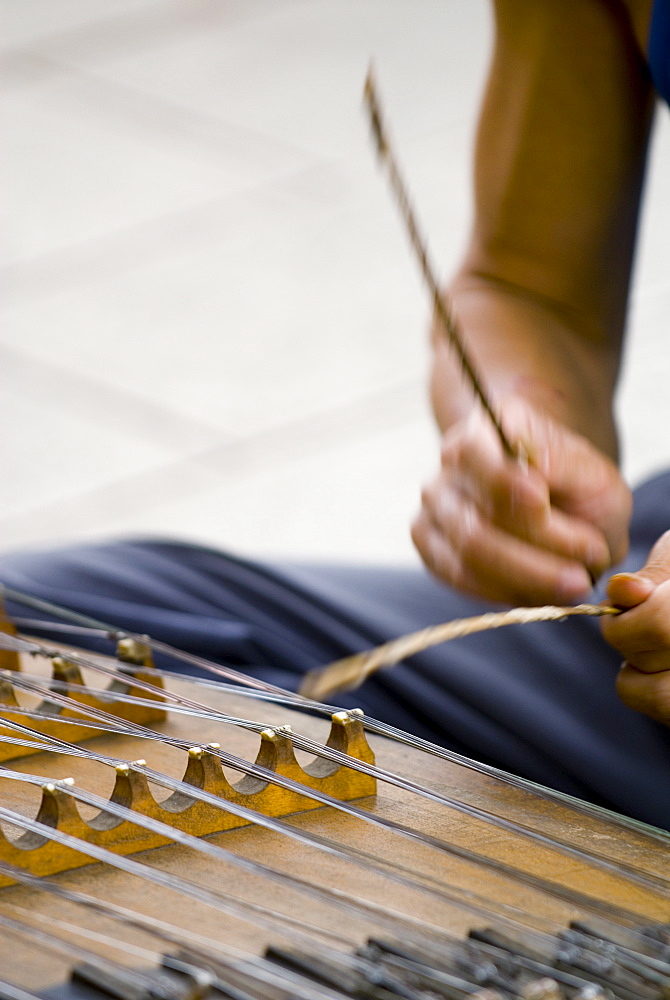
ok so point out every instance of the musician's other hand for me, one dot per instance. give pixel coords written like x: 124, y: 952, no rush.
x: 642, y: 633
x: 522, y: 533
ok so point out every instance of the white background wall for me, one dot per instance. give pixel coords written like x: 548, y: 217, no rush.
x: 212, y: 326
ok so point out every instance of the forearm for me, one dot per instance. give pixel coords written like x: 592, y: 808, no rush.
x: 542, y: 294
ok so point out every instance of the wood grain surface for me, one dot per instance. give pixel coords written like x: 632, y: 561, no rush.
x: 28, y: 963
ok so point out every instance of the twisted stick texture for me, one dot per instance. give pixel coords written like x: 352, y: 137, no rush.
x: 349, y: 673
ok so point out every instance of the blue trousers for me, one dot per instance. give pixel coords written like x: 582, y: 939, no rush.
x: 537, y: 700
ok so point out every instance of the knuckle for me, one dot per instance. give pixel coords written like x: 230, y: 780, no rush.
x: 451, y: 450
x: 463, y: 582
x: 418, y: 531
x: 645, y: 693
x: 657, y: 626
x: 426, y: 496
x: 442, y: 564
x: 618, y: 544
x: 642, y: 631
x: 467, y: 529
x: 441, y: 557
x: 627, y: 688
x: 621, y: 497
x: 659, y: 559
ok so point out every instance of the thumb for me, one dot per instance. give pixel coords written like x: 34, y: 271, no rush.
x: 627, y: 590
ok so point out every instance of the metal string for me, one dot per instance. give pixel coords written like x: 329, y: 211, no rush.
x: 190, y: 790
x: 598, y: 812
x: 128, y: 676
x: 464, y: 899
x: 62, y: 946
x: 536, y: 882
x: 10, y: 992
x: 344, y: 900
x: 621, y: 869
x: 174, y: 934
x: 250, y: 687
x: 125, y: 947
x: 403, y: 875
x: 442, y: 308
x: 170, y: 933
x: 114, y: 633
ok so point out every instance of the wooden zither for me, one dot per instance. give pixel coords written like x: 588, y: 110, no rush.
x: 164, y: 835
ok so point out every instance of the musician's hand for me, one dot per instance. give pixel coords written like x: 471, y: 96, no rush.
x: 523, y: 534
x: 642, y: 633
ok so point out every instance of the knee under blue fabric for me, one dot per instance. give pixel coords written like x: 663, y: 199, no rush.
x: 537, y: 700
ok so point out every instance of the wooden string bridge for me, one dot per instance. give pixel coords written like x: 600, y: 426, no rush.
x: 135, y: 662
x: 204, y: 772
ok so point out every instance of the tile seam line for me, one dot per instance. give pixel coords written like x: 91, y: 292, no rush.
x: 209, y: 460
x: 145, y: 229
x: 115, y: 394
x: 65, y: 36
x: 104, y: 84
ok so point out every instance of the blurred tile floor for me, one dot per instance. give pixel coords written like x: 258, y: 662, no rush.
x: 212, y: 327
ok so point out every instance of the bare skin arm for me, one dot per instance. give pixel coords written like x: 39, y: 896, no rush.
x: 541, y: 297
x: 559, y: 165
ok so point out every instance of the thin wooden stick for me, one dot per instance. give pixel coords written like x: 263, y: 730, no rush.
x: 349, y: 673
x: 442, y: 308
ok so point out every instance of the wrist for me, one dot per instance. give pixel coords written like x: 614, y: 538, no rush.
x: 524, y: 349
